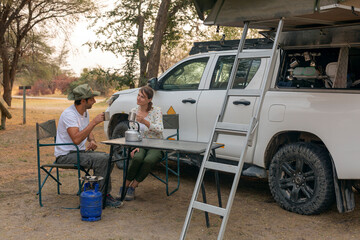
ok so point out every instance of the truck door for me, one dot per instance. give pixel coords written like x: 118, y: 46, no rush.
x: 241, y: 104
x: 179, y: 93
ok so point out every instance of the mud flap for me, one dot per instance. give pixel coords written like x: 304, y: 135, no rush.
x: 345, y: 200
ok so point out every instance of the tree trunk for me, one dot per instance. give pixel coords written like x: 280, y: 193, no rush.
x: 3, y: 121
x: 6, y: 74
x: 9, y: 71
x: 155, y: 49
x: 141, y: 49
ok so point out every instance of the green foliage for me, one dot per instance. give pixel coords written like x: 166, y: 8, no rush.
x: 129, y: 31
x: 229, y: 32
x: 24, y: 23
x: 100, y: 80
x: 36, y: 61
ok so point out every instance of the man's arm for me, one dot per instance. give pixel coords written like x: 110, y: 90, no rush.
x: 92, y: 143
x: 78, y: 136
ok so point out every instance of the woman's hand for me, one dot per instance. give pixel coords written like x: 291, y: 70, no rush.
x: 133, y: 152
x: 142, y: 120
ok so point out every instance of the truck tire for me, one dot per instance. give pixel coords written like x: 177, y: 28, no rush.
x: 301, y: 179
x: 119, y: 131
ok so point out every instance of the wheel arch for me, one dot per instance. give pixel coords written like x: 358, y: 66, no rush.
x: 114, y: 120
x: 285, y: 137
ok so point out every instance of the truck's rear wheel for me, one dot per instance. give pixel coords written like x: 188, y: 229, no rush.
x: 119, y: 131
x: 300, y: 178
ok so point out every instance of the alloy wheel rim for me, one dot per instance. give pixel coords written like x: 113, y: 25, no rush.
x: 297, y: 180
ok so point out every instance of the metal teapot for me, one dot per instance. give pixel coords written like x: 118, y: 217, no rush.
x: 132, y: 135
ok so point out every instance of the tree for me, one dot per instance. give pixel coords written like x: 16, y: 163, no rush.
x: 101, y: 80
x: 133, y: 31
x: 19, y: 18
x: 36, y: 61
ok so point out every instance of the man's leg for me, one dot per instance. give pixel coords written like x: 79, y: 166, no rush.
x: 97, y: 161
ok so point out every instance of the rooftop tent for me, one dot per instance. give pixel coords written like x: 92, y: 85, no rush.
x: 265, y: 14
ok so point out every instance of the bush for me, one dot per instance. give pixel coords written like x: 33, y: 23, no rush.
x: 62, y: 83
x: 40, y: 87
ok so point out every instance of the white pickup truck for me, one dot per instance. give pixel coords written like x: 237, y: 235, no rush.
x: 307, y: 141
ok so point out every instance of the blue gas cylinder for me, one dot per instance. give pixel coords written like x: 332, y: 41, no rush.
x: 91, y: 203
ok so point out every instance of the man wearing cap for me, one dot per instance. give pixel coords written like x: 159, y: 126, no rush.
x: 74, y: 126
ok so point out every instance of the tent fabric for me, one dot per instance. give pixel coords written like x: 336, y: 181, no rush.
x: 264, y: 14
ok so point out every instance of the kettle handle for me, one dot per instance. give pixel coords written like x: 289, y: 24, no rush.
x: 138, y: 125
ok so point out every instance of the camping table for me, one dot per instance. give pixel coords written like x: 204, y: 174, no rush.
x: 188, y: 147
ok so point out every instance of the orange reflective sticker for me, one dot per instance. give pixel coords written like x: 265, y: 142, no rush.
x: 222, y: 146
x: 171, y: 110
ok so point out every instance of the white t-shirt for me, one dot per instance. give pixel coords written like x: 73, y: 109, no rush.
x: 70, y: 118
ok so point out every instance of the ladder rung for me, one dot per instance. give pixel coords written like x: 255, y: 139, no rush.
x: 221, y: 167
x: 226, y: 127
x: 209, y: 208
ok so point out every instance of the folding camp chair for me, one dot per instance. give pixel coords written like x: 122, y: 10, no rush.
x: 170, y: 121
x: 48, y: 130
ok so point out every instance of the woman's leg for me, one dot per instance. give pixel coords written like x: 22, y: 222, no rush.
x: 152, y: 157
x: 135, y: 165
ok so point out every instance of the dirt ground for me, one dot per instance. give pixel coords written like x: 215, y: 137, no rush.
x: 152, y: 215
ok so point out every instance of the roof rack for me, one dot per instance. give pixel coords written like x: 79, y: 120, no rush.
x: 256, y: 43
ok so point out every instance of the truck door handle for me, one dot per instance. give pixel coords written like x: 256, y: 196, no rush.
x: 243, y: 102
x: 189, y: 100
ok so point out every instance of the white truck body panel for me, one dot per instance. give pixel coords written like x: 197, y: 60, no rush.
x: 328, y: 114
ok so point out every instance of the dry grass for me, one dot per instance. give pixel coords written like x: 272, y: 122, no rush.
x: 18, y: 141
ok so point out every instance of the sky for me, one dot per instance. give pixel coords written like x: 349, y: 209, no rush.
x: 79, y: 55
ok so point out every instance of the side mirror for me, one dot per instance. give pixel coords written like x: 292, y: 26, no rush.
x: 153, y: 83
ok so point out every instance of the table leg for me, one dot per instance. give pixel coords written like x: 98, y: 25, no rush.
x: 217, y: 181
x: 204, y: 200
x: 107, y: 175
x: 125, y: 169
x: 198, y: 164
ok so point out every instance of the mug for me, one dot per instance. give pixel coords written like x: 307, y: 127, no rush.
x: 106, y: 116
x: 132, y: 116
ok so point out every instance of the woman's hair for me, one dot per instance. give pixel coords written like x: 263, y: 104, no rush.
x: 149, y: 93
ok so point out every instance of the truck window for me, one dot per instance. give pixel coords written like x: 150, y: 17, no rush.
x: 186, y: 76
x: 326, y: 68
x: 246, y: 71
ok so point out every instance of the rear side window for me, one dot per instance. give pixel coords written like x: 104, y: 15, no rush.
x: 186, y: 76
x: 247, y: 68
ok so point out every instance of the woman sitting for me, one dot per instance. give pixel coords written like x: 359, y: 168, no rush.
x: 151, y: 125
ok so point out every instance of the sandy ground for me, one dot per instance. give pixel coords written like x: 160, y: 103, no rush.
x: 152, y: 215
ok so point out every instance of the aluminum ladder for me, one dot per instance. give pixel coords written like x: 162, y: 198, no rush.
x: 221, y: 127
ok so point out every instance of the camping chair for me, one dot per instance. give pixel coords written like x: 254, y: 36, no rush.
x: 170, y: 121
x: 48, y: 130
